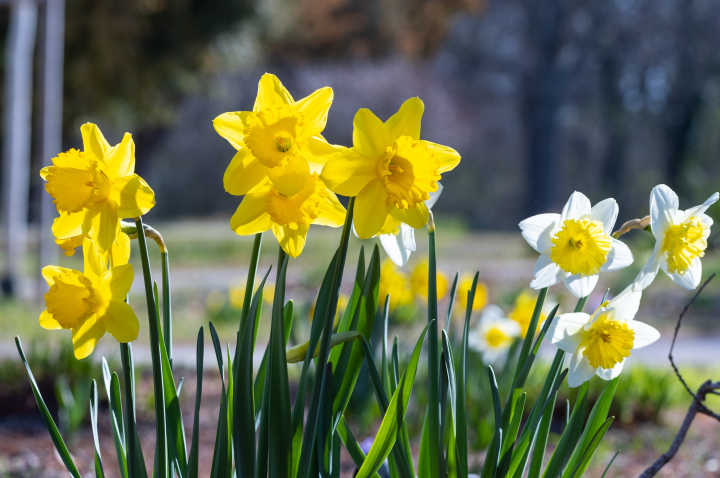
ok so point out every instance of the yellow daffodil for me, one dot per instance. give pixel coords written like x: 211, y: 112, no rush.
x: 289, y: 217
x: 95, y: 188
x: 118, y: 254
x: 523, y: 311
x: 601, y: 342
x: 494, y: 334
x: 481, y: 293
x: 279, y: 141
x: 90, y: 303
x: 236, y: 293
x: 680, y: 239
x: 389, y: 168
x: 419, y: 282
x: 575, y: 246
x: 396, y: 284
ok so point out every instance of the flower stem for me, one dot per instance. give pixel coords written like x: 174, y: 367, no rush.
x: 167, y: 310
x: 161, y: 451
x: 433, y: 364
x: 130, y: 429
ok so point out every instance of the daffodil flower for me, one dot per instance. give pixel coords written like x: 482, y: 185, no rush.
x: 289, y: 217
x: 419, y: 282
x: 97, y: 187
x: 278, y: 142
x: 494, y: 334
x: 396, y: 284
x: 601, y: 342
x: 525, y: 307
x: 389, y: 168
x: 680, y: 239
x: 90, y: 302
x: 481, y: 293
x: 118, y: 254
x: 576, y: 245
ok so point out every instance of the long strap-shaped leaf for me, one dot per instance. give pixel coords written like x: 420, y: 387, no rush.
x: 112, y: 388
x: 569, y: 438
x: 395, y: 415
x: 192, y: 468
x: 99, y: 472
x: 47, y: 418
x: 461, y: 380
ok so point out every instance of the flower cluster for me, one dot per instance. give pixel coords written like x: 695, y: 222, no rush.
x: 93, y: 190
x: 576, y: 245
x: 289, y: 174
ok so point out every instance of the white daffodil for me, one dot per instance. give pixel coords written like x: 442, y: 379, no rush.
x: 680, y: 239
x: 601, y: 342
x: 494, y: 334
x: 398, y: 238
x: 576, y: 245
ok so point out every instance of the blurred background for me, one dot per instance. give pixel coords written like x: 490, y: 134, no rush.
x: 540, y: 98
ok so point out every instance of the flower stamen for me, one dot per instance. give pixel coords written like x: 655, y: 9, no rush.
x: 684, y: 243
x: 607, y: 343
x: 581, y: 247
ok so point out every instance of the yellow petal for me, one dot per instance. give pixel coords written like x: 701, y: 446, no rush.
x: 44, y: 172
x: 116, y: 282
x: 70, y: 181
x: 318, y: 152
x: 371, y: 209
x: 50, y: 272
x: 133, y: 196
x: 348, y: 173
x: 391, y: 226
x: 370, y: 135
x: 48, y: 322
x: 292, y: 177
x: 86, y: 336
x: 67, y: 225
x: 332, y: 213
x: 94, y: 142
x: 94, y: 263
x: 415, y: 217
x: 100, y: 223
x: 68, y: 299
x: 121, y: 322
x: 69, y: 245
x: 291, y: 240
x: 251, y: 216
x: 121, y: 162
x: 231, y: 126
x: 271, y: 93
x: 406, y: 122
x: 315, y: 110
x: 447, y: 157
x: 119, y: 253
x: 244, y: 174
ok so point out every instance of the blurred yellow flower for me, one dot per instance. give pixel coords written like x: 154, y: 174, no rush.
x: 289, y: 217
x: 90, y: 303
x: 343, y: 300
x: 523, y: 311
x: 278, y: 142
x: 96, y: 188
x: 396, y: 284
x: 419, y: 282
x: 236, y: 293
x: 481, y: 293
x: 389, y: 168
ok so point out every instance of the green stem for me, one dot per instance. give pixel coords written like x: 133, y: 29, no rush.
x: 249, y: 289
x: 322, y: 359
x: 161, y: 452
x: 433, y: 361
x: 130, y: 428
x: 167, y: 310
x: 581, y: 304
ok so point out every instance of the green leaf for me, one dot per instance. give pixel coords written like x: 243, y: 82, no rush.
x: 244, y: 404
x: 433, y: 361
x: 595, y: 421
x: 298, y: 352
x: 569, y: 437
x: 424, y: 458
x: 461, y: 379
x: 351, y: 444
x: 99, y: 472
x: 219, y: 462
x: 610, y: 464
x: 527, y: 342
x: 112, y: 388
x: 192, y: 468
x: 135, y: 459
x: 249, y: 288
x: 538, y: 453
x: 47, y: 418
x: 280, y: 442
x: 492, y: 460
x: 451, y: 301
x: 393, y: 419
x: 325, y: 429
x: 591, y: 447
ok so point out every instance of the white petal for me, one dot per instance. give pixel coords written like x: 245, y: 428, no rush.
x: 577, y: 206
x: 491, y: 313
x: 564, y: 332
x: 664, y: 204
x: 619, y: 256
x: 697, y: 210
x: 609, y: 374
x: 605, y: 211
x: 625, y: 305
x: 408, y: 237
x: 396, y: 251
x: 705, y: 218
x: 644, y: 334
x: 691, y: 279
x: 546, y: 273
x: 434, y: 197
x: 538, y: 230
x: 650, y: 269
x: 579, y: 370
x: 581, y: 286
x: 509, y: 327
